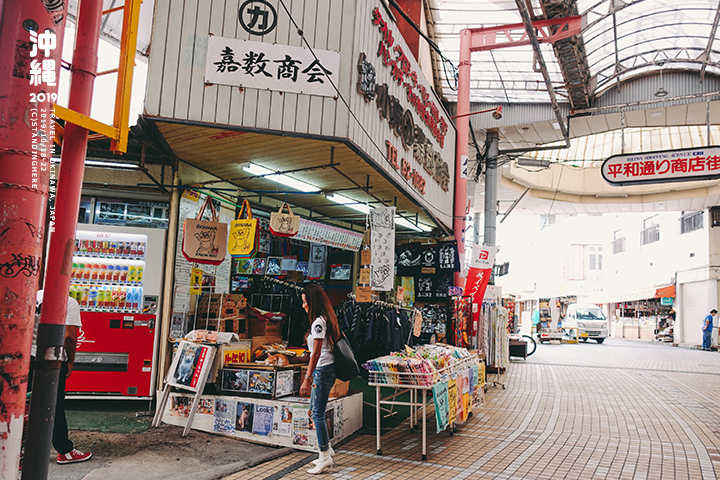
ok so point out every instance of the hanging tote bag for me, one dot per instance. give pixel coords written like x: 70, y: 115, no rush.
x: 284, y: 224
x: 346, y: 367
x: 243, y: 238
x: 205, y: 241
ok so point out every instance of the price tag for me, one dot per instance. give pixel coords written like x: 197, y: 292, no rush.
x: 417, y: 327
x: 400, y: 296
x: 363, y: 294
x: 364, y: 276
x: 365, y: 257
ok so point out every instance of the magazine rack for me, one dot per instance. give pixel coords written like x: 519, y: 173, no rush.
x: 414, y: 383
x: 202, y: 372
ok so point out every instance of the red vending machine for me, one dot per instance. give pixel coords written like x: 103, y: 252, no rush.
x: 117, y: 280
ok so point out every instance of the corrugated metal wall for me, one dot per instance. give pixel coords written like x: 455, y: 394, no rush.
x: 176, y: 88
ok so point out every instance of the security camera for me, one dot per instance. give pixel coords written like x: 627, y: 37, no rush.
x: 497, y: 114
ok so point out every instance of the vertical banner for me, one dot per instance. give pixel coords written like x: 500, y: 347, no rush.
x: 481, y: 263
x: 382, y: 245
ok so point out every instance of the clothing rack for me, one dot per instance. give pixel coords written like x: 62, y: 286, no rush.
x: 280, y: 282
x: 383, y: 304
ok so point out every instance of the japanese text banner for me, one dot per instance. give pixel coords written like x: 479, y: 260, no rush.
x: 660, y: 167
x: 269, y: 66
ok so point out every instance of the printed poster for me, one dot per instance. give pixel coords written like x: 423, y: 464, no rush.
x: 330, y: 423
x: 206, y: 406
x: 261, y: 381
x: 301, y: 425
x: 466, y: 406
x: 339, y: 420
x: 440, y: 397
x: 452, y: 400
x: 382, y: 245
x: 196, y: 279
x: 224, y: 417
x: 282, y: 420
x: 245, y: 414
x: 285, y: 382
x: 180, y: 405
x: 263, y: 420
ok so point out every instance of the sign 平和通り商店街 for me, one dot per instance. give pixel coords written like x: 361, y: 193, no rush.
x: 661, y: 167
x: 269, y: 66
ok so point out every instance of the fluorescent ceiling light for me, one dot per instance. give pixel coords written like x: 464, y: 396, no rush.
x: 101, y: 164
x: 280, y: 178
x: 404, y: 222
x: 350, y: 203
x: 361, y: 207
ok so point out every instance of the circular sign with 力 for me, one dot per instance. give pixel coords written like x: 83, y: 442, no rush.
x: 257, y: 17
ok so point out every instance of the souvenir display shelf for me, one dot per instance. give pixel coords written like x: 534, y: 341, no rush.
x: 417, y: 384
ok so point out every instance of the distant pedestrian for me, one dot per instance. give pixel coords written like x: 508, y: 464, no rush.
x: 707, y: 329
x: 60, y: 440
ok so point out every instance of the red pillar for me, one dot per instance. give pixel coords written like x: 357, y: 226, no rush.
x: 62, y: 244
x: 26, y: 136
x: 461, y: 151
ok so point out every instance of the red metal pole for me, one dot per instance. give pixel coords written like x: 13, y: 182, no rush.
x: 62, y: 244
x: 26, y: 136
x: 462, y: 124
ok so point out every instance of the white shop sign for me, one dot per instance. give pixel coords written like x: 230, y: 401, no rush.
x: 270, y: 66
x: 661, y: 167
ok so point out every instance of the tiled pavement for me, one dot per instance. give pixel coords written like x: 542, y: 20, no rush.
x: 621, y: 410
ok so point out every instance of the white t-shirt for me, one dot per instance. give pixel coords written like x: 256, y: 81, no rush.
x: 318, y: 329
x: 72, y: 317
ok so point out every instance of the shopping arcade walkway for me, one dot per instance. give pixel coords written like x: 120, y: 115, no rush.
x: 621, y: 410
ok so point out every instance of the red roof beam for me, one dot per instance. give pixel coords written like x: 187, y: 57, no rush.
x: 514, y: 35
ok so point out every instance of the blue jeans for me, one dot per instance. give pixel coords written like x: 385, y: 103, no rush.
x: 323, y: 381
x: 707, y: 338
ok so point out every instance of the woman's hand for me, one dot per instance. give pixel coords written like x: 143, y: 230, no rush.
x: 305, y: 387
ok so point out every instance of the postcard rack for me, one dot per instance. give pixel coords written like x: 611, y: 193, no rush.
x: 414, y: 383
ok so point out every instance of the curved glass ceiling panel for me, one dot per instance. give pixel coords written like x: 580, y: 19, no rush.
x: 622, y: 38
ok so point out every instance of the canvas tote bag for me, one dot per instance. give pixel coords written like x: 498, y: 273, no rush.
x: 243, y: 238
x: 284, y: 224
x: 205, y: 241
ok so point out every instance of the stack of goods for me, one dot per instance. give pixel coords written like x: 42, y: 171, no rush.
x: 418, y: 366
x: 279, y: 354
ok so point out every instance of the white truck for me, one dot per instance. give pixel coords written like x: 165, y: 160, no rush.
x: 587, y: 320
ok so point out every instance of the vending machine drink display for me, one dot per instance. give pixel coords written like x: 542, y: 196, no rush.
x: 116, y: 279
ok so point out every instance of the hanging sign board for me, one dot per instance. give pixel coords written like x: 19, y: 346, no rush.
x: 271, y: 66
x: 662, y: 167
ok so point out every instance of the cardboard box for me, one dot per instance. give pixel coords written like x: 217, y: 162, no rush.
x: 339, y: 389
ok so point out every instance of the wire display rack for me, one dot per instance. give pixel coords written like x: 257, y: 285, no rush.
x: 416, y: 384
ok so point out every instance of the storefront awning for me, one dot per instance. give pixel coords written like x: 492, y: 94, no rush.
x: 666, y: 291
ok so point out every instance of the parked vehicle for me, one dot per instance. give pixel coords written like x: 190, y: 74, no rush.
x: 588, y: 319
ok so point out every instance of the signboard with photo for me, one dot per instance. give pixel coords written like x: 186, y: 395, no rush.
x: 189, y: 366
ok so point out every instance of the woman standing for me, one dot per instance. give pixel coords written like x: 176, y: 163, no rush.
x: 320, y: 377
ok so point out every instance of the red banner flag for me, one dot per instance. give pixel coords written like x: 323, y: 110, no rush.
x: 476, y: 283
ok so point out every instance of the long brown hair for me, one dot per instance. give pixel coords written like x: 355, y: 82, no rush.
x: 319, y: 306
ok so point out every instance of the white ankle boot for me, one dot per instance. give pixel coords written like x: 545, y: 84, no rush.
x: 332, y: 454
x: 323, y: 463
